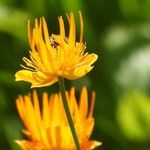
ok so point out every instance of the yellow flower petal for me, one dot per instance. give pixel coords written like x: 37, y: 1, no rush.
x: 38, y: 79
x: 83, y: 106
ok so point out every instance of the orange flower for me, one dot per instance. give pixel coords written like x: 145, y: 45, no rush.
x: 55, y: 55
x: 48, y: 129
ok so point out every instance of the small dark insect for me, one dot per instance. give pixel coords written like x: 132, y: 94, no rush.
x: 53, y: 43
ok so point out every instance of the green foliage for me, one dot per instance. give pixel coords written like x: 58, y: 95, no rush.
x: 133, y: 116
x: 119, y: 32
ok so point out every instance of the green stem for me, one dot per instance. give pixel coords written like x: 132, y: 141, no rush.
x: 68, y: 114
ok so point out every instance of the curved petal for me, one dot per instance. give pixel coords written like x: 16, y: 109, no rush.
x: 88, y: 60
x: 37, y: 79
x: 77, y: 72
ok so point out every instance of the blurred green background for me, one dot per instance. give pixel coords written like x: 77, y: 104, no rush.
x: 119, y: 32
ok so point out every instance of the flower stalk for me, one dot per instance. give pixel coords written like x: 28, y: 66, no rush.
x: 67, y: 111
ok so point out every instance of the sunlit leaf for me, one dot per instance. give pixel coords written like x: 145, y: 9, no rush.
x: 13, y: 21
x: 133, y: 116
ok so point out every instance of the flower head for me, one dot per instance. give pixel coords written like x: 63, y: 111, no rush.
x: 48, y: 129
x: 55, y: 55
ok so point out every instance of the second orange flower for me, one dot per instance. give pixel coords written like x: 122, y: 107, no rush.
x: 47, y: 127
